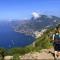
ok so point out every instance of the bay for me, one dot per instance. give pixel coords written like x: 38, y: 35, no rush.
x: 9, y: 38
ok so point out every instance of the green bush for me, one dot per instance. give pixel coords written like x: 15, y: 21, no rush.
x: 16, y: 51
x: 2, y: 53
x: 16, y: 57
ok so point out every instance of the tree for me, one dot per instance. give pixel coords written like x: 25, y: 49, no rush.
x: 2, y: 53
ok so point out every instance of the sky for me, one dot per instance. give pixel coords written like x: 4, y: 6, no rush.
x: 21, y: 9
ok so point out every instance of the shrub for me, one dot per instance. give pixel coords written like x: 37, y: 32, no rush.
x: 2, y: 53
x: 16, y: 57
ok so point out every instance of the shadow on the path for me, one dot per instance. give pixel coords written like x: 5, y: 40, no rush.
x: 53, y: 54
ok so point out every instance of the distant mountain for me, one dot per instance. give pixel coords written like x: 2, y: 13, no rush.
x: 36, y: 23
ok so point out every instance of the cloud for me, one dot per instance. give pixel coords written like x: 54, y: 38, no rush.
x: 35, y: 15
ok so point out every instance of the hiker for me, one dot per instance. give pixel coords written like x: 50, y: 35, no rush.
x: 56, y: 44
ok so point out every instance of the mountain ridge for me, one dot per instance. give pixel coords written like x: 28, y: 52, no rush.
x: 33, y: 24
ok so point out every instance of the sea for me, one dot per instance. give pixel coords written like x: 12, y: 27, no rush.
x: 10, y: 39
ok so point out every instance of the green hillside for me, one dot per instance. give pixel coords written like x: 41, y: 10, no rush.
x: 43, y: 42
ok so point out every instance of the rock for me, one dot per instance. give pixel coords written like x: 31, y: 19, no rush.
x: 37, y: 55
x: 8, y: 57
x: 45, y: 54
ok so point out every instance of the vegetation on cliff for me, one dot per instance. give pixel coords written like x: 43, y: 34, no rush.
x: 43, y: 42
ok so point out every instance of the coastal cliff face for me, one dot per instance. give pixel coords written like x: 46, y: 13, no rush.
x: 30, y: 26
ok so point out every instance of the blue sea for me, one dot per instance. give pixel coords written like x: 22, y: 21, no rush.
x: 9, y: 38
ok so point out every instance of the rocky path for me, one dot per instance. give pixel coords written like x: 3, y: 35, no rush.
x: 45, y: 54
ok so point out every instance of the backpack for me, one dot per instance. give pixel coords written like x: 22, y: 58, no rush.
x: 57, y: 38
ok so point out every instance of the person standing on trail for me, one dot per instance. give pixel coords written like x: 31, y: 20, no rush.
x: 56, y: 39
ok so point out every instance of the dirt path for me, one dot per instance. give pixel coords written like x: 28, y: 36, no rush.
x: 44, y: 54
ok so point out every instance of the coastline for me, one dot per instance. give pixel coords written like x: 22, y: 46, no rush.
x: 35, y: 34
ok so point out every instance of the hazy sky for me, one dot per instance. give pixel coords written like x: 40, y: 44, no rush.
x: 20, y: 9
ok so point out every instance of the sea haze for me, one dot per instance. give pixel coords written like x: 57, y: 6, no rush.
x: 10, y: 38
